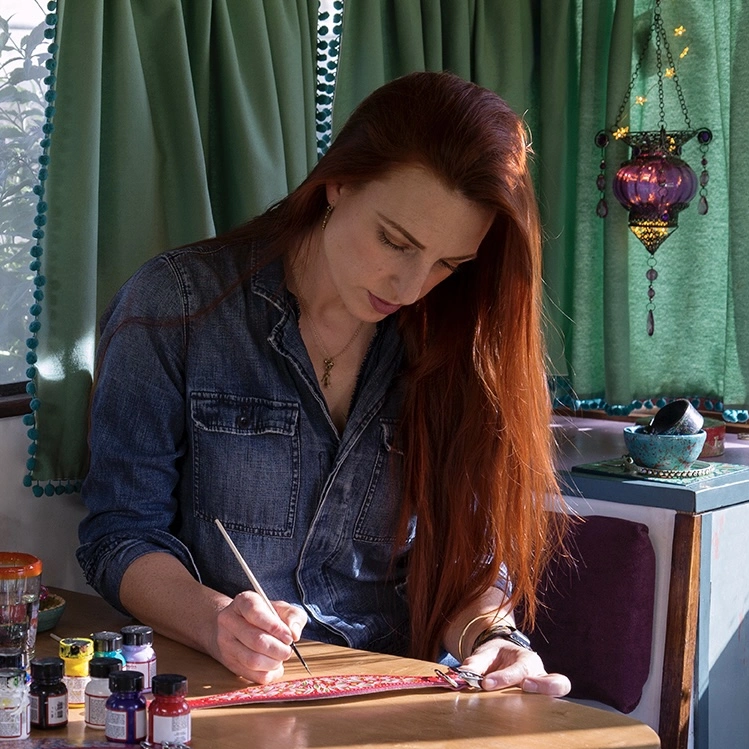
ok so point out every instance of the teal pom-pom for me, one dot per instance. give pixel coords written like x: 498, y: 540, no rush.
x: 32, y: 343
x: 69, y: 488
x: 38, y: 491
x: 30, y: 388
x: 36, y: 251
x: 742, y: 416
x: 43, y: 174
x: 660, y: 402
x: 719, y: 406
x: 31, y: 372
x: 52, y: 49
x: 49, y: 490
x: 636, y: 405
x: 35, y: 310
x: 709, y: 405
x: 49, y: 33
x: 695, y: 402
x: 31, y: 449
x: 50, y: 96
x: 35, y: 265
x: 48, y: 128
x: 31, y: 357
x: 52, y: 5
x: 38, y: 234
x: 51, y: 19
x: 50, y: 80
x: 38, y: 190
x: 38, y: 295
x: 729, y: 415
x: 34, y: 404
x: 40, y: 280
x: 27, y: 480
x: 50, y: 64
x: 34, y: 326
x: 33, y: 433
x: 31, y: 464
x: 44, y: 159
x: 49, y: 112
x: 28, y: 420
x: 59, y: 489
x: 40, y: 220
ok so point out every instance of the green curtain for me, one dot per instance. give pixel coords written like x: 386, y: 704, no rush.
x: 567, y: 64
x: 175, y: 119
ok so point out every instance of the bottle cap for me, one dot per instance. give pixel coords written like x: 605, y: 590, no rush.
x: 126, y: 681
x: 168, y: 685
x: 101, y: 668
x: 137, y: 634
x: 11, y: 658
x: 47, y: 669
x: 76, y: 647
x: 106, y: 642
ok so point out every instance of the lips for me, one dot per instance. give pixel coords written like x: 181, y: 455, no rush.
x: 381, y: 306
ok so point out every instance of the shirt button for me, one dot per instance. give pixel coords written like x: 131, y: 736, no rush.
x: 242, y: 421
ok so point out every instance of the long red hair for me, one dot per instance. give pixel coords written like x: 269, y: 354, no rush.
x: 478, y: 460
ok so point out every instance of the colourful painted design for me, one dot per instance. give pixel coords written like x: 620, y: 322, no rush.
x: 319, y: 688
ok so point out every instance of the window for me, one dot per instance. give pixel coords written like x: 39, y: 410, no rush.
x: 23, y: 51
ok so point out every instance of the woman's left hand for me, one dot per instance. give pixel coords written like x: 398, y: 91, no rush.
x: 504, y: 664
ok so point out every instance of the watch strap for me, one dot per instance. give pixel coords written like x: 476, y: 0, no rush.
x: 503, y: 632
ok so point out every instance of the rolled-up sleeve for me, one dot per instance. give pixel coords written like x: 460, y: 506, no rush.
x: 137, y: 431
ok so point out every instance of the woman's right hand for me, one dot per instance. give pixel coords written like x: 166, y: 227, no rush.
x: 253, y: 642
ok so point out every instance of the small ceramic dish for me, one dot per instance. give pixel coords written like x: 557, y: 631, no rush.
x: 50, y: 611
x: 663, y: 452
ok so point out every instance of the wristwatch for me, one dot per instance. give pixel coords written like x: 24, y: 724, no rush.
x: 503, y: 632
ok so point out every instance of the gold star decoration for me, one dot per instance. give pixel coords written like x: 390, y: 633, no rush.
x: 640, y: 100
x: 684, y: 52
x: 679, y: 31
x: 620, y: 132
x: 670, y: 73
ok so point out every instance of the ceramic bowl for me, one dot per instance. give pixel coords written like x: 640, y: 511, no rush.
x: 663, y: 452
x: 53, y: 606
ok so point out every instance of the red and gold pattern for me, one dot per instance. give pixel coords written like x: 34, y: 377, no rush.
x: 321, y: 688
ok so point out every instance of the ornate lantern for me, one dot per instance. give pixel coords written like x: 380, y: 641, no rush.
x: 655, y: 184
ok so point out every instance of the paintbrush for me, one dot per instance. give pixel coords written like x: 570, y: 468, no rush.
x: 256, y: 585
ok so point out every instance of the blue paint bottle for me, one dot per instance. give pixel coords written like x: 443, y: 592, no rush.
x: 126, y: 719
x: 108, y: 645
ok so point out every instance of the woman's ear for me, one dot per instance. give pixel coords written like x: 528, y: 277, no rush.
x: 333, y: 192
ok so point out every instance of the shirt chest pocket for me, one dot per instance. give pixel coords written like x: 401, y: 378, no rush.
x: 246, y: 462
x: 377, y: 521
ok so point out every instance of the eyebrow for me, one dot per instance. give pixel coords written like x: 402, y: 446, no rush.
x: 416, y: 242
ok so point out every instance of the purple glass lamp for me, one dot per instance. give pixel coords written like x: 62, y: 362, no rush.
x: 655, y: 184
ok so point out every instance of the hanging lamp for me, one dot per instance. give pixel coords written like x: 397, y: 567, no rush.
x: 656, y: 183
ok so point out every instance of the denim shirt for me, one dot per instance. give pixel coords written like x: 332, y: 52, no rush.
x: 207, y: 410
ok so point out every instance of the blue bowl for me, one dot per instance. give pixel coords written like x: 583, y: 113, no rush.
x: 663, y: 452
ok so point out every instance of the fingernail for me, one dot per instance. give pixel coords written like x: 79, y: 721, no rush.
x: 530, y: 686
x: 489, y: 683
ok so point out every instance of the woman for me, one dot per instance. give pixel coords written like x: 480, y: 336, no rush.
x: 353, y: 383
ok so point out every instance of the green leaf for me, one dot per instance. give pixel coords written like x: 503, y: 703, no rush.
x: 34, y: 39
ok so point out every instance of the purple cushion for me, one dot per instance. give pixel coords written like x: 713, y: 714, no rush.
x: 597, y: 624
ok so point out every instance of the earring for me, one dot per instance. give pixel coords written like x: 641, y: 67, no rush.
x: 326, y: 217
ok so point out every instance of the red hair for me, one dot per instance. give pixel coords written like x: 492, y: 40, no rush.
x: 478, y: 466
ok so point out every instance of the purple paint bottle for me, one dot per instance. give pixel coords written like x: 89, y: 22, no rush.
x: 126, y: 718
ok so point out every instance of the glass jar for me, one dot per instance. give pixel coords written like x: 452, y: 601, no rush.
x: 20, y: 585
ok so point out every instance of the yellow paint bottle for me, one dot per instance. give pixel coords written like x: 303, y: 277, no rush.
x: 76, y: 652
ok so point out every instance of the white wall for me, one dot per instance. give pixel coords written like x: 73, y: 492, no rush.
x: 44, y: 526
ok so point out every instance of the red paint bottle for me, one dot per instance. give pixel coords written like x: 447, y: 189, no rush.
x: 169, y: 717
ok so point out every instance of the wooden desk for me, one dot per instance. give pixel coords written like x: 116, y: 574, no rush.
x: 428, y: 718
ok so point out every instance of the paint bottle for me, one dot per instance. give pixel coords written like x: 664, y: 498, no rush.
x: 137, y: 647
x: 108, y: 645
x: 169, y: 719
x: 125, y: 720
x: 14, y: 704
x: 13, y: 658
x: 97, y: 690
x: 48, y: 695
x: 76, y: 652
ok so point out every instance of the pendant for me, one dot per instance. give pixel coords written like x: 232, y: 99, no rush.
x: 328, y: 364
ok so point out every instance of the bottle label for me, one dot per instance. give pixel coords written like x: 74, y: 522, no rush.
x: 57, y: 710
x: 174, y: 728
x: 76, y: 689
x: 34, y: 709
x: 14, y: 722
x: 96, y: 712
x: 147, y: 668
x: 125, y: 726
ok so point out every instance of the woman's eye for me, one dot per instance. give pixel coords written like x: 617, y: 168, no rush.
x: 389, y: 243
x: 452, y: 267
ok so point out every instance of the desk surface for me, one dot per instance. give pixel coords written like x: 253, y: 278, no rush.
x: 425, y: 718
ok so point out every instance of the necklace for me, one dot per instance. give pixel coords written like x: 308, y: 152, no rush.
x: 328, y: 360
